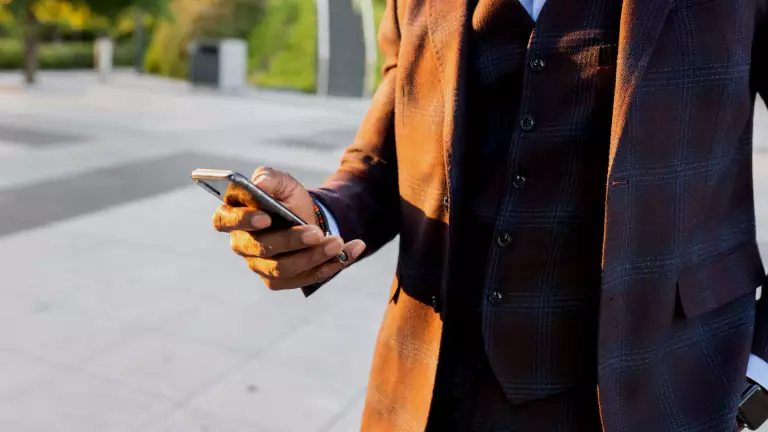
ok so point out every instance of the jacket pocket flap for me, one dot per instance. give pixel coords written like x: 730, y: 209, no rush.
x: 728, y: 276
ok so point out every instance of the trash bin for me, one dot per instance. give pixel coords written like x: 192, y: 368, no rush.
x: 218, y: 63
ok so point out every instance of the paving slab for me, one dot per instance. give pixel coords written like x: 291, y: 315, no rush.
x: 196, y: 420
x: 76, y: 402
x: 164, y: 364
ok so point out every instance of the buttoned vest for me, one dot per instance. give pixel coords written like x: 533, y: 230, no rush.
x: 526, y: 277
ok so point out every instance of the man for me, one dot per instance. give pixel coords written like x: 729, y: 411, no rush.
x: 573, y: 192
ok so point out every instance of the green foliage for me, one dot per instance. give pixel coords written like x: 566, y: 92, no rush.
x: 155, y: 8
x: 32, y: 15
x: 283, y: 46
x: 167, y: 53
x: 378, y: 10
x: 229, y: 19
x: 267, y: 38
x: 71, y: 55
x: 281, y: 34
x: 110, y: 9
x: 17, y: 7
x: 65, y: 20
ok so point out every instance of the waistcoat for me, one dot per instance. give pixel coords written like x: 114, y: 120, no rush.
x: 524, y: 297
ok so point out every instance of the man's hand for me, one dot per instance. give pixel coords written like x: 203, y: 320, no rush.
x: 284, y: 259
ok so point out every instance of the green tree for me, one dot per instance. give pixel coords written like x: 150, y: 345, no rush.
x: 25, y: 12
x: 112, y: 9
x: 283, y: 46
x: 198, y: 19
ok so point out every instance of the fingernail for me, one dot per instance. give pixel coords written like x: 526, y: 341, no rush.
x: 321, y: 274
x: 357, y: 250
x: 332, y: 249
x: 260, y: 179
x: 312, y: 236
x: 260, y: 221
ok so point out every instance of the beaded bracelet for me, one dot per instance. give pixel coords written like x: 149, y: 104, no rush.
x: 321, y: 220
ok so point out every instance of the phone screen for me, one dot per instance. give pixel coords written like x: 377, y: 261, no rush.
x: 217, y: 188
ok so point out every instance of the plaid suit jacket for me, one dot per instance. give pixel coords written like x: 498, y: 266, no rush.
x: 678, y: 317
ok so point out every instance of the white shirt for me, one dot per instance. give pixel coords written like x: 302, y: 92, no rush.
x: 757, y: 369
x: 533, y: 7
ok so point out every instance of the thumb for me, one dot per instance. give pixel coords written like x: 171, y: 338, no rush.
x: 354, y: 249
x: 276, y: 183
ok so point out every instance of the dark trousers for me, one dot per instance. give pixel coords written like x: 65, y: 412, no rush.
x: 484, y: 408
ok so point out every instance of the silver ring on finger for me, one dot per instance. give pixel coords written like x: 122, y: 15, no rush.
x: 342, y: 257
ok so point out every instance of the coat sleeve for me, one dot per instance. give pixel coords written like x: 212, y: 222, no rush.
x: 363, y: 197
x: 760, y: 84
x: 363, y: 194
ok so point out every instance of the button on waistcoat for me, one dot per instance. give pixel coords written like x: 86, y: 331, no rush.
x: 525, y: 289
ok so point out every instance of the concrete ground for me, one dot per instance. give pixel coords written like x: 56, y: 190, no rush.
x: 123, y: 311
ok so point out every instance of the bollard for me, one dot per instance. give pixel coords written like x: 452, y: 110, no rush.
x: 104, y: 54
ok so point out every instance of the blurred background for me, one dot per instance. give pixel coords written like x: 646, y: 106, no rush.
x: 120, y: 308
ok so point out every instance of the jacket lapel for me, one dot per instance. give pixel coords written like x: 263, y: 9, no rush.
x: 448, y: 27
x: 641, y: 23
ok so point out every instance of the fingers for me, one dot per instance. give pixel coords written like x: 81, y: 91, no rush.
x: 228, y: 219
x: 353, y: 249
x: 285, y: 258
x: 291, y: 265
x: 320, y: 272
x: 272, y: 243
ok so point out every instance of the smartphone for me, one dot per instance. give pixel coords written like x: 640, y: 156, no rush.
x: 236, y: 190
x: 753, y: 409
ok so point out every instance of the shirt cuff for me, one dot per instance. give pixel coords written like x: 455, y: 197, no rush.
x: 333, y: 227
x: 757, y: 370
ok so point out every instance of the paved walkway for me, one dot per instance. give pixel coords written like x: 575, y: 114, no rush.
x: 123, y: 311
